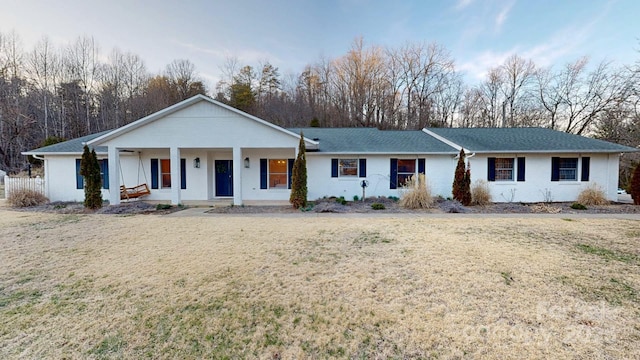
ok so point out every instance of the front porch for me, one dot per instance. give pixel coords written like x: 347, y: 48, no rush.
x: 203, y: 176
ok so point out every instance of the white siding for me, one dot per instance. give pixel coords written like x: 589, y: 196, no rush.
x: 60, y: 179
x: 538, y: 186
x: 439, y: 172
x: 204, y: 125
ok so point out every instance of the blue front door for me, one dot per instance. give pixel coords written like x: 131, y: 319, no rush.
x: 224, y: 177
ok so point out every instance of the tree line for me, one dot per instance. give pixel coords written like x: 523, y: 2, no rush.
x: 53, y: 93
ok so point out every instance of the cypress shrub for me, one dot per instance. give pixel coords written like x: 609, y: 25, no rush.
x: 298, y: 197
x: 90, y: 170
x: 462, y: 182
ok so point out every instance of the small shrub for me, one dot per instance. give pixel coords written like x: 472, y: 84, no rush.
x: 163, y: 207
x: 26, y: 198
x: 378, y: 206
x: 416, y: 194
x: 480, y: 194
x: 578, y: 206
x: 356, y: 198
x: 341, y: 200
x: 593, y: 195
x: 394, y: 198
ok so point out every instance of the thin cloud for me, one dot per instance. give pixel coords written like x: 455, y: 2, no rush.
x: 249, y: 56
x: 463, y: 4
x: 561, y: 45
x: 503, y: 14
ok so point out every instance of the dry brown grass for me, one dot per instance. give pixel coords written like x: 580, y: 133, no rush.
x: 592, y: 195
x: 480, y: 193
x: 26, y: 197
x: 99, y: 286
x: 416, y: 194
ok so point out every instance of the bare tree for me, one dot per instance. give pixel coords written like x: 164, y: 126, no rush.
x: 83, y: 66
x: 573, y: 98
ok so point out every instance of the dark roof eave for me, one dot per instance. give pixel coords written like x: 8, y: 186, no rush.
x: 382, y: 153
x: 566, y: 151
x: 32, y: 153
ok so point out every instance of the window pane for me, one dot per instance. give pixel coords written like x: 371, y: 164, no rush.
x: 278, y: 173
x: 568, y: 169
x: 165, y: 173
x: 403, y: 178
x: 348, y: 167
x: 278, y: 166
x: 165, y: 166
x: 504, y: 169
x: 406, y: 166
x: 166, y: 180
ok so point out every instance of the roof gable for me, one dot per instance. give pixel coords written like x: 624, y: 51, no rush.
x: 186, y: 111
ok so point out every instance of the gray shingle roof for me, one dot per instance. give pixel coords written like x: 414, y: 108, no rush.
x: 69, y: 146
x: 525, y: 140
x: 372, y: 140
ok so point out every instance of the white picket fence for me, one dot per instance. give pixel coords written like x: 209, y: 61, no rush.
x: 20, y: 183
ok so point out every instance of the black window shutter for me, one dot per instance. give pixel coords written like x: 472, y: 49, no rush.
x: 105, y: 173
x: 421, y: 166
x: 183, y: 174
x: 263, y: 173
x: 491, y: 169
x: 334, y: 168
x: 394, y: 174
x: 290, y: 170
x: 79, y: 178
x: 586, y: 161
x: 555, y: 169
x: 154, y: 173
x: 363, y: 167
x: 521, y: 168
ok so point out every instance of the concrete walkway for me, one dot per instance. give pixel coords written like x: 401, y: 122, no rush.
x: 202, y: 212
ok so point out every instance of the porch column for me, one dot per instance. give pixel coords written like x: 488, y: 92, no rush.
x: 238, y: 164
x: 175, y: 175
x: 114, y: 175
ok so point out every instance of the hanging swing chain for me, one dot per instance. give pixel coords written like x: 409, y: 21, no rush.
x: 120, y: 171
x: 140, y: 165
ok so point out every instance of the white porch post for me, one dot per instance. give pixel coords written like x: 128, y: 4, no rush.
x: 114, y: 175
x: 175, y: 175
x: 238, y: 164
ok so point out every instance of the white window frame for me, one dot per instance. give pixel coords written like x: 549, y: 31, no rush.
x: 342, y: 167
x: 500, y: 168
x: 161, y: 174
x: 415, y: 171
x: 565, y: 169
x: 286, y: 173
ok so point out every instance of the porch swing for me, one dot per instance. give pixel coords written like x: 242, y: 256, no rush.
x: 135, y: 192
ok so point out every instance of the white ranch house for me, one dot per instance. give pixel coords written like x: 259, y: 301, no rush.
x: 200, y: 150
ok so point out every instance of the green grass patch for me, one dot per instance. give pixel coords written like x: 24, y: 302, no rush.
x: 371, y: 237
x: 508, y: 279
x: 608, y: 254
x: 109, y: 347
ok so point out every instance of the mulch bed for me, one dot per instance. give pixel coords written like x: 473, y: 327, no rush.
x: 333, y: 205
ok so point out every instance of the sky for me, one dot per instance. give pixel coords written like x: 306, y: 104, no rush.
x: 479, y: 34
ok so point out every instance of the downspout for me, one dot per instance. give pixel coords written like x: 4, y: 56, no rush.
x: 46, y: 174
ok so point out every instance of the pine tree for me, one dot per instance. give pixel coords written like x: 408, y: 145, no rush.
x: 634, y: 188
x: 298, y: 196
x: 462, y: 182
x: 90, y: 170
